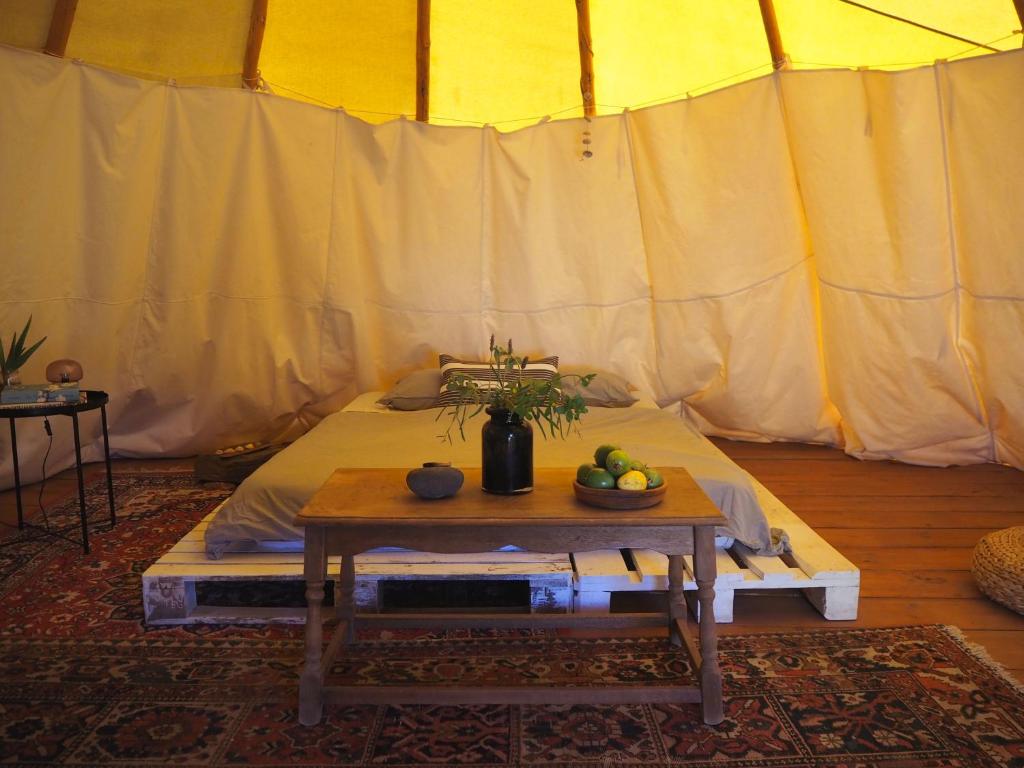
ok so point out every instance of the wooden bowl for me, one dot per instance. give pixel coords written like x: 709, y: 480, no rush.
x: 615, y: 498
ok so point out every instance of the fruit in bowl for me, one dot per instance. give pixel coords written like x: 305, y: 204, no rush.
x: 616, y: 481
x: 614, y: 468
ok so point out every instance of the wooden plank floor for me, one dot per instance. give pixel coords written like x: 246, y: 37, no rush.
x: 910, y: 529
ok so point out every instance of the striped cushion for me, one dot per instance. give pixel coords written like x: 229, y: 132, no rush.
x: 543, y: 369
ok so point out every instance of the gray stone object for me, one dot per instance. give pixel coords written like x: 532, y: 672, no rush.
x: 435, y: 480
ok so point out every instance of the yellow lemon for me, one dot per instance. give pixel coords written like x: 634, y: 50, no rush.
x: 633, y: 480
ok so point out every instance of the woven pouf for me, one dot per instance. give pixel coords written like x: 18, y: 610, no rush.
x: 998, y: 567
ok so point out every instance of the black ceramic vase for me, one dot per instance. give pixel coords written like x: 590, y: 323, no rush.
x: 507, y: 453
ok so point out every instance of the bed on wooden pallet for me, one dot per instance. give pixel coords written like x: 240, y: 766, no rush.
x: 249, y: 538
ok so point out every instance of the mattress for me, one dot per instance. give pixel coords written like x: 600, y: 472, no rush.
x: 258, y: 516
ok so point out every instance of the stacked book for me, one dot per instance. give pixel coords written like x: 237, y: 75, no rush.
x: 26, y: 394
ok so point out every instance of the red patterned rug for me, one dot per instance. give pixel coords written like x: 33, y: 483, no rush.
x: 83, y: 682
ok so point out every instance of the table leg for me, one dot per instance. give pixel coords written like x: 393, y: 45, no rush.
x: 676, y: 599
x: 106, y: 456
x: 17, y: 474
x: 710, y: 674
x: 347, y: 598
x: 81, y: 485
x: 311, y: 702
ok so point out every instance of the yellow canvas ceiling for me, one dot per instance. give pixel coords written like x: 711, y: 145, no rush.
x: 506, y: 62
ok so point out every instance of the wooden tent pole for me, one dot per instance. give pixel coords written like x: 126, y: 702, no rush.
x: 251, y: 66
x: 423, y: 61
x: 771, y: 31
x: 586, y: 57
x: 60, y: 27
x: 1019, y: 5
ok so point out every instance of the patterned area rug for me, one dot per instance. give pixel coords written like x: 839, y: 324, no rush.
x: 83, y: 682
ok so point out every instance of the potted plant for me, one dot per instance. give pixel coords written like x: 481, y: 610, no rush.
x: 16, y: 356
x: 514, y: 402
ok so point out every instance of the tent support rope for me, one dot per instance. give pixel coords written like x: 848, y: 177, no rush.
x: 925, y: 27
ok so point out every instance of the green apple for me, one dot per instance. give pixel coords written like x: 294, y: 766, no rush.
x: 601, y: 454
x: 617, y: 462
x: 599, y: 478
x: 654, y: 478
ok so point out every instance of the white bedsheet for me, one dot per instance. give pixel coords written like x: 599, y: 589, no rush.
x: 259, y: 515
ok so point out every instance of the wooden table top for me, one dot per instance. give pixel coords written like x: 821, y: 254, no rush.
x: 354, y: 497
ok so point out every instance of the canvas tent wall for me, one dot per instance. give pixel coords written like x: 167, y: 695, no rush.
x: 819, y: 255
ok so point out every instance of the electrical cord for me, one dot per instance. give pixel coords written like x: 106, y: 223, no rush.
x: 39, y: 500
x: 42, y: 482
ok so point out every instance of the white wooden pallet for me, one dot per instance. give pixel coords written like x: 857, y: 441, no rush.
x: 585, y: 584
x: 169, y: 585
x: 827, y: 579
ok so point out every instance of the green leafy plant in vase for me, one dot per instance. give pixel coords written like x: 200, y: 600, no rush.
x: 514, y: 401
x: 16, y: 356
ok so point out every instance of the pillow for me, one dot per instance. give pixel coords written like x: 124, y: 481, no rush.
x: 414, y: 392
x: 542, y: 368
x: 606, y: 389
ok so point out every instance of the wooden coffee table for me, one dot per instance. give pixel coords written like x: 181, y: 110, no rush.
x: 358, y: 510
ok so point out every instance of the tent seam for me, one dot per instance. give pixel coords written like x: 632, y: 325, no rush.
x: 922, y: 297
x: 627, y: 119
x: 157, y: 186
x: 327, y: 256
x: 737, y: 291
x: 829, y: 407
x: 645, y: 298
x: 555, y: 308
x: 483, y: 261
x: 887, y: 295
x: 89, y: 299
x: 183, y: 300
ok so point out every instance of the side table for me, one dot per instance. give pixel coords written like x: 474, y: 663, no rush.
x: 92, y: 399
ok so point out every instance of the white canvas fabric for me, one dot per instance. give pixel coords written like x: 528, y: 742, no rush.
x: 826, y: 256
x: 869, y: 152
x: 730, y: 266
x: 986, y: 170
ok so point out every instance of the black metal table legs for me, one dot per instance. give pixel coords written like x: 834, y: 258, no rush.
x: 106, y: 458
x: 82, y: 511
x: 17, y: 474
x: 81, y: 486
